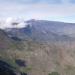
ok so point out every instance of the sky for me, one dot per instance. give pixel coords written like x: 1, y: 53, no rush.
x: 53, y: 10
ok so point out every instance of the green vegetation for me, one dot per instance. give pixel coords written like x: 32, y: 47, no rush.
x: 25, y: 69
x: 70, y: 70
x: 54, y: 73
x: 38, y: 57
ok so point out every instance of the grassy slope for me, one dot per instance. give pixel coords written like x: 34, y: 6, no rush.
x: 39, y: 58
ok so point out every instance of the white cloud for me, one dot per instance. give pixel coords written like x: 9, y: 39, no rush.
x: 8, y: 23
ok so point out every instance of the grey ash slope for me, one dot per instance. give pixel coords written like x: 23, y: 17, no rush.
x: 41, y: 30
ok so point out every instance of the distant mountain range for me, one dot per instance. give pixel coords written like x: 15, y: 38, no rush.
x: 41, y: 30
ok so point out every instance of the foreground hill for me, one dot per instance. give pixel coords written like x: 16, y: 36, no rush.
x: 40, y: 48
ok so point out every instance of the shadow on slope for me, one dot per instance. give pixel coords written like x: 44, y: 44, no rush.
x: 6, y: 69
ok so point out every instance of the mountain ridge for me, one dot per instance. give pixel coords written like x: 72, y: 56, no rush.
x: 46, y: 30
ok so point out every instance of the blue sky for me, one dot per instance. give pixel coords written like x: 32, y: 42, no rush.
x: 55, y: 10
